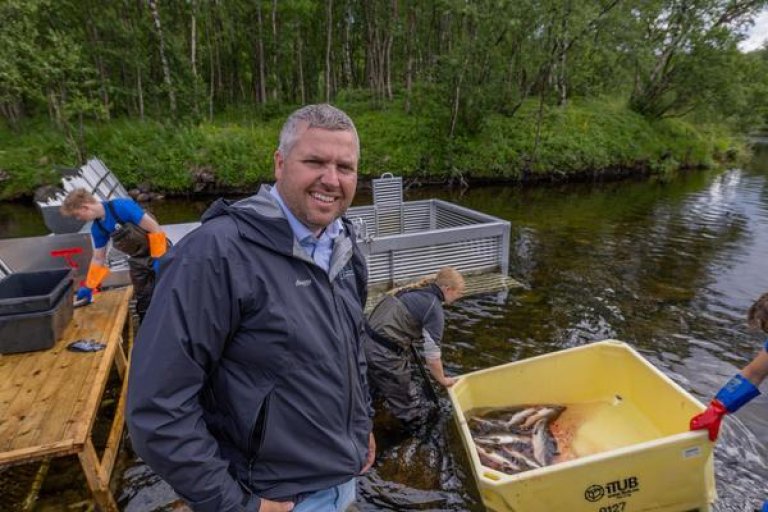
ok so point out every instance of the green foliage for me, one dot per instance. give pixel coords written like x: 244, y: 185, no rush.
x: 81, y: 60
x: 585, y: 138
x: 27, y: 160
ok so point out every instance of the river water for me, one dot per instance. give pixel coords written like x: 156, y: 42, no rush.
x: 669, y: 266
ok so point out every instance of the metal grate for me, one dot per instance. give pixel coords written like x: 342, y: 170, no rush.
x: 434, y: 234
x: 95, y: 177
x: 388, y: 205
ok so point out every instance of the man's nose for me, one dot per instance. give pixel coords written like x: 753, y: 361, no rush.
x: 330, y: 175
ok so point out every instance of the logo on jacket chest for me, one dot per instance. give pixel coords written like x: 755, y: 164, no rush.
x: 346, y: 272
x: 303, y: 282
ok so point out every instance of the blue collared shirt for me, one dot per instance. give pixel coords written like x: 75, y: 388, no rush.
x: 318, y: 248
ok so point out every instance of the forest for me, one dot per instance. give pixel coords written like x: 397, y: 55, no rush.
x: 188, y: 95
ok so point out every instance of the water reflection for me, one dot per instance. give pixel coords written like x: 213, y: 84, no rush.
x: 668, y: 267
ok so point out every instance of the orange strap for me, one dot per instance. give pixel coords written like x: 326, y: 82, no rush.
x: 96, y: 274
x: 157, y: 244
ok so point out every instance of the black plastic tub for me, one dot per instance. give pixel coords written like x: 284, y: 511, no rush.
x: 30, y: 292
x: 35, y: 331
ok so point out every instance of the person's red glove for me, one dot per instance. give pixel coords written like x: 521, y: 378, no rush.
x: 710, y: 419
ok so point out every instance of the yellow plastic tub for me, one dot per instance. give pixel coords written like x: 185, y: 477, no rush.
x: 626, y: 426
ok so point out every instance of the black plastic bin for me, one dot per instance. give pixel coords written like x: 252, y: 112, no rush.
x: 29, y: 292
x: 27, y: 330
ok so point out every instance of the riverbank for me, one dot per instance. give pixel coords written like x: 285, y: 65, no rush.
x: 585, y: 140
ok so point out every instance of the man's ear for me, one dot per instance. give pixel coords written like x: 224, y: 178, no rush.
x: 279, y: 164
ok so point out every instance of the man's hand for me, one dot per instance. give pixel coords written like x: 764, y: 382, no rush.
x: 275, y: 506
x: 84, y: 293
x: 710, y: 419
x: 371, y: 454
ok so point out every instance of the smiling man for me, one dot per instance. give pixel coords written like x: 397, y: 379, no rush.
x: 248, y: 388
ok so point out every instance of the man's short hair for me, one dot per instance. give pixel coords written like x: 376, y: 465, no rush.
x: 75, y: 200
x: 322, y: 116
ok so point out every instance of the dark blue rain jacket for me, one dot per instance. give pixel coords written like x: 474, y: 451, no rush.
x: 247, y: 374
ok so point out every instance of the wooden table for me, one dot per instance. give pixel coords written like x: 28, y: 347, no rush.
x: 49, y: 399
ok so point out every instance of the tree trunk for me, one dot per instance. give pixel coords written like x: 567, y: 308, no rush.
x: 193, y: 52
x: 193, y: 41
x: 211, y: 68
x: 388, y: 51
x: 140, y: 91
x: 346, y: 62
x: 300, y: 62
x: 457, y: 99
x: 329, y: 41
x: 560, y: 64
x: 103, y: 81
x: 163, y: 58
x: 276, y: 86
x: 212, y: 80
x: 409, y: 44
x: 262, y: 90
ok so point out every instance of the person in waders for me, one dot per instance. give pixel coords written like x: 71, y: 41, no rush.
x: 742, y: 387
x: 131, y: 231
x: 403, y: 317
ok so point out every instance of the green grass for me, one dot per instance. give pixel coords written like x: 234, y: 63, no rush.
x: 585, y: 138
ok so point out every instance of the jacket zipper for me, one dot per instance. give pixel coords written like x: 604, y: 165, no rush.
x: 349, y: 363
x: 254, y: 445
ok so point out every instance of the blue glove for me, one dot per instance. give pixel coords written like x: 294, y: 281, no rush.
x: 84, y: 293
x: 156, y: 267
x: 736, y: 392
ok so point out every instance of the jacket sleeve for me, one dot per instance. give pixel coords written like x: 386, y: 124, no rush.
x: 193, y: 311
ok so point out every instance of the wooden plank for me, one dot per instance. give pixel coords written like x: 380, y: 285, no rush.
x: 121, y: 361
x: 97, y: 482
x: 53, y: 396
x: 33, y: 453
x: 112, y: 322
x: 20, y: 377
x: 77, y: 377
x: 40, y: 407
x: 115, y: 431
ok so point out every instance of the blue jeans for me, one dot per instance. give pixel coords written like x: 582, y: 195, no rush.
x: 334, y: 499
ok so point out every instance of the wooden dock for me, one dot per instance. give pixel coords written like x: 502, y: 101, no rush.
x: 49, y: 399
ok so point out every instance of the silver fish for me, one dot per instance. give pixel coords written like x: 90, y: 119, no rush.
x: 520, y: 416
x: 545, y: 413
x: 516, y: 455
x: 541, y: 443
x: 484, y: 426
x: 495, y: 461
x: 502, y: 439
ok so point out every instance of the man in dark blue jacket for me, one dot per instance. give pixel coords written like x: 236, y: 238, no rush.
x: 247, y: 388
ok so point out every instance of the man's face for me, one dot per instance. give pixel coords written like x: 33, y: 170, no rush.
x: 318, y: 177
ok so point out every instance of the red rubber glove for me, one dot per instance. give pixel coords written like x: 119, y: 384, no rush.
x: 710, y: 419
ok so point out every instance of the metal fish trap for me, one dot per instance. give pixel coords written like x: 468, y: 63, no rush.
x: 407, y: 240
